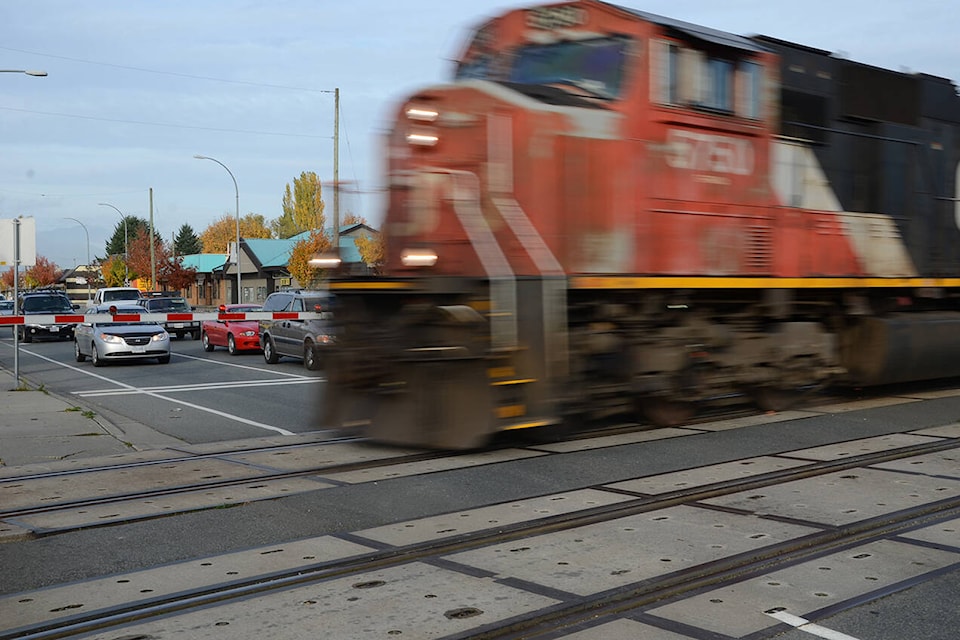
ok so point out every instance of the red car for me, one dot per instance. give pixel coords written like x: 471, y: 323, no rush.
x: 235, y: 335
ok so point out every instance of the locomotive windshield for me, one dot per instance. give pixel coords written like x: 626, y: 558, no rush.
x: 595, y: 66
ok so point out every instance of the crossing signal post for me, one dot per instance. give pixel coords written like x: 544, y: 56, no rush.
x: 18, y: 246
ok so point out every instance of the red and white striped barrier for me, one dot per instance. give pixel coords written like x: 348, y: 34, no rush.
x: 160, y: 317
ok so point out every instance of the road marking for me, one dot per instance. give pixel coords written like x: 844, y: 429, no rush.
x: 242, y: 366
x: 92, y: 393
x: 222, y: 414
x: 805, y: 625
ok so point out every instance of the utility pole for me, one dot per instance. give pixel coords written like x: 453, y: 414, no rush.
x: 336, y: 170
x: 16, y: 300
x: 153, y: 260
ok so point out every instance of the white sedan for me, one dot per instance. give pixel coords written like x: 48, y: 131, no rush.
x: 104, y: 341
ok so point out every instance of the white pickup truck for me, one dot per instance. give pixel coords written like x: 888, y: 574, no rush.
x: 116, y: 294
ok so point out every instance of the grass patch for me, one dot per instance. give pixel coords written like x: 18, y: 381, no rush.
x: 84, y: 412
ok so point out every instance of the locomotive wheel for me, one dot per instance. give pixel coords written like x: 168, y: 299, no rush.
x: 776, y: 399
x: 666, y: 413
x: 547, y: 434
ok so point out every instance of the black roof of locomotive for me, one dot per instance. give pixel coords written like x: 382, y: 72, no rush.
x: 697, y: 31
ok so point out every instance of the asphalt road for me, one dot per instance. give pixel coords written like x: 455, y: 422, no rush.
x: 198, y: 397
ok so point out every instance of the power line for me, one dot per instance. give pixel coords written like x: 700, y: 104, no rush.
x: 72, y: 195
x: 166, y: 124
x: 165, y: 73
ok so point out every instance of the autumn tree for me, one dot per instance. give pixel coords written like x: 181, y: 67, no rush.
x: 217, y: 237
x: 139, y: 261
x: 369, y: 245
x: 42, y: 274
x: 6, y: 278
x: 302, y: 207
x: 299, y: 264
x: 114, y: 271
x: 372, y: 250
x: 187, y: 242
x: 174, y: 276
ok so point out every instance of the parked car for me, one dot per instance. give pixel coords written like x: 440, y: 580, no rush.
x: 180, y: 328
x: 235, y: 335
x: 304, y: 339
x: 106, y: 295
x: 104, y: 341
x: 45, y: 302
x: 6, y: 309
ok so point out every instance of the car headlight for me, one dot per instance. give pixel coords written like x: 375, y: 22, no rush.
x: 109, y: 337
x: 248, y: 334
x: 159, y: 337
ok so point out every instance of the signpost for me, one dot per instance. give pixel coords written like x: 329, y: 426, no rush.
x: 18, y: 246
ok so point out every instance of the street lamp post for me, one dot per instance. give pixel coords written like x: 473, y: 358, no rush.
x: 29, y: 72
x: 236, y: 191
x: 88, y: 255
x: 126, y: 248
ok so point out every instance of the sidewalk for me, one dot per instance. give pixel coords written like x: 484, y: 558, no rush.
x: 38, y: 427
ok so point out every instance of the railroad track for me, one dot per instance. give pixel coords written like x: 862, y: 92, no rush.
x: 571, y: 610
x: 37, y: 494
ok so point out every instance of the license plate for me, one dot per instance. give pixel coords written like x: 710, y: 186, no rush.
x: 54, y: 329
x: 178, y: 325
x: 139, y: 349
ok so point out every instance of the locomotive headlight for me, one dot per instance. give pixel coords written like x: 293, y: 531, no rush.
x: 422, y: 114
x: 418, y: 257
x: 423, y: 138
x: 325, y: 261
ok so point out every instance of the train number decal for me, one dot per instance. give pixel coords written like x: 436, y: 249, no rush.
x: 550, y: 18
x: 707, y: 152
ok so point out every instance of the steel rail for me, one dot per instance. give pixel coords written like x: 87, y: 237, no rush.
x: 204, y: 486
x: 589, y: 607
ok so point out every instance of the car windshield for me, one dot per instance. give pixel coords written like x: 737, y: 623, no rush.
x: 244, y: 309
x: 6, y: 305
x: 122, y: 294
x: 175, y: 304
x: 46, y: 303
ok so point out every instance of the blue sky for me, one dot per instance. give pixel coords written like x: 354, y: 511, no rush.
x: 137, y: 87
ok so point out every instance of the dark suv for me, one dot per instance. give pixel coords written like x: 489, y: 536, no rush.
x: 304, y: 339
x: 45, y: 302
x: 180, y: 328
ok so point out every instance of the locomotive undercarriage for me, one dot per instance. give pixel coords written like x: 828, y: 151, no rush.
x: 673, y: 358
x: 418, y: 369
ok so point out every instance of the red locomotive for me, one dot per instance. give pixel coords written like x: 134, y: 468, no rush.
x: 607, y: 209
